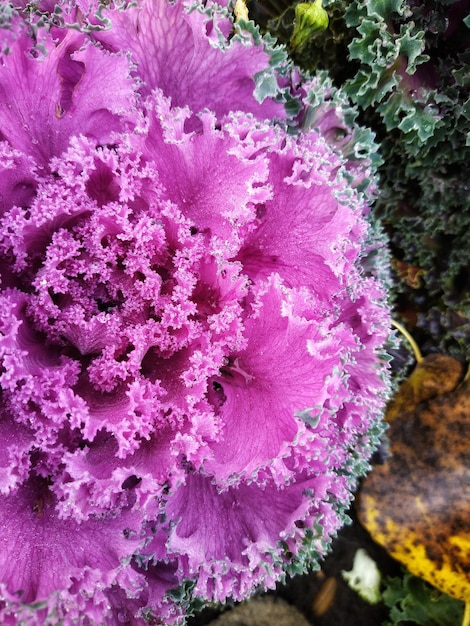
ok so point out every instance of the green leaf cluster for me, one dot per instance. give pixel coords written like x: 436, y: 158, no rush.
x: 406, y: 65
x: 413, y: 601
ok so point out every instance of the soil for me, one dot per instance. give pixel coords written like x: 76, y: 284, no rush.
x: 323, y: 597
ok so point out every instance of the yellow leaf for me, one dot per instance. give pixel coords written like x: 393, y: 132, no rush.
x: 241, y: 11
x: 417, y: 504
x: 435, y: 374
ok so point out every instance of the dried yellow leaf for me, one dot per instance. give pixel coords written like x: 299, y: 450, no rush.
x: 417, y: 505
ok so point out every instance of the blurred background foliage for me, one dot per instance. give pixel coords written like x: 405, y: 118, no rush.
x: 406, y: 65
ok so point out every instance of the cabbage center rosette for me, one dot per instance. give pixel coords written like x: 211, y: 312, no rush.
x: 191, y: 371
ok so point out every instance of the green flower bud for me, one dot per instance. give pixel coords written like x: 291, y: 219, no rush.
x: 311, y: 19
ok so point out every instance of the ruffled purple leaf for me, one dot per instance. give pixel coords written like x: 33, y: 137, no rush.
x: 180, y: 53
x: 261, y: 388
x: 71, y: 88
x: 42, y: 555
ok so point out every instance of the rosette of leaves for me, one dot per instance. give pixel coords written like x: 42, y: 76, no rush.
x: 192, y: 325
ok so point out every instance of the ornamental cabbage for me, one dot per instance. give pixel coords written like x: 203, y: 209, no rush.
x: 192, y: 377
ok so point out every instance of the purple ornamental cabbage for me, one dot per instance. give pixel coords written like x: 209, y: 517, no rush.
x: 191, y: 370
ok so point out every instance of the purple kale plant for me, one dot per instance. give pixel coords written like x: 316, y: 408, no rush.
x: 192, y: 371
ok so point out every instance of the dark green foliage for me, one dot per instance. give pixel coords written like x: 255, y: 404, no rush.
x: 422, y: 113
x: 406, y: 64
x: 412, y: 601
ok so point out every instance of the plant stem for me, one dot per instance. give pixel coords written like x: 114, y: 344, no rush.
x: 466, y: 615
x: 411, y: 341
